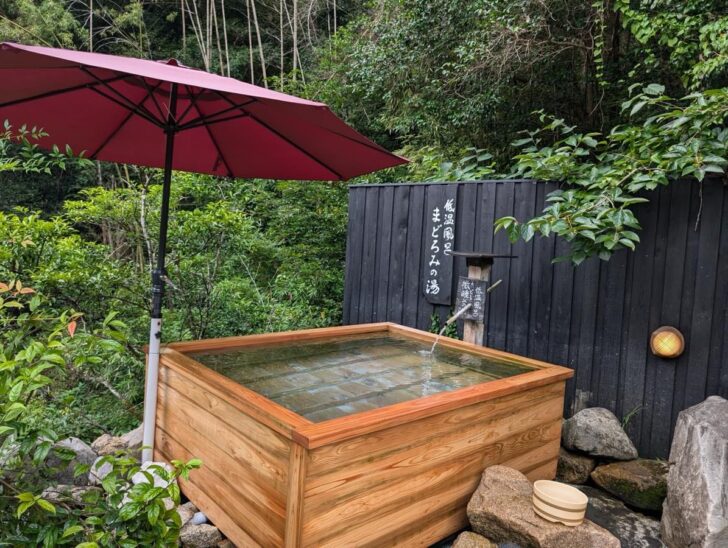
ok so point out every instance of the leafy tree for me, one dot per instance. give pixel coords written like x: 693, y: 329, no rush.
x: 608, y: 174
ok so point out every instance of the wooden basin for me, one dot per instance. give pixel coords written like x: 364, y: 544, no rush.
x: 558, y: 502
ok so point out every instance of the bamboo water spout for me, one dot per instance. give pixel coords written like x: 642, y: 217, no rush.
x: 452, y: 319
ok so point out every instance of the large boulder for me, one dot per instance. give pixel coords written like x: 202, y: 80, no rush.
x: 468, y: 539
x: 598, y: 432
x: 199, y: 536
x: 79, y: 452
x: 695, y: 513
x: 641, y: 483
x: 501, y: 509
x: 633, y: 529
x: 573, y: 467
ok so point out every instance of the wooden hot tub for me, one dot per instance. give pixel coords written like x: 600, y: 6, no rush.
x: 351, y: 436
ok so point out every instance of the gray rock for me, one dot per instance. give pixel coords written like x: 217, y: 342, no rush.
x: 70, y: 494
x: 597, y: 431
x: 64, y: 472
x: 106, y: 444
x: 468, y: 539
x: 199, y: 536
x: 501, y: 509
x: 99, y: 471
x: 634, y: 530
x: 695, y: 513
x: 641, y: 483
x: 152, y: 469
x: 198, y: 519
x: 573, y: 467
x: 186, y: 511
x: 133, y: 438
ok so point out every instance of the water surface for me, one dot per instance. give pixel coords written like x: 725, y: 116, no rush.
x: 335, y: 377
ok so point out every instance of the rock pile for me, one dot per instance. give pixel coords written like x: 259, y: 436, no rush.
x: 196, y: 532
x: 596, y: 447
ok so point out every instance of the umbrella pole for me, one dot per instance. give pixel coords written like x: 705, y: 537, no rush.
x: 158, y: 275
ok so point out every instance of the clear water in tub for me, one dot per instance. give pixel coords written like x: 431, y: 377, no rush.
x: 331, y: 378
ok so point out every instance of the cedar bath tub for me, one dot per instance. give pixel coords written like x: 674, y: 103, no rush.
x: 351, y: 436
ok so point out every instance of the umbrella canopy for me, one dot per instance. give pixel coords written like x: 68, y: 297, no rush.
x: 118, y: 108
x: 162, y: 114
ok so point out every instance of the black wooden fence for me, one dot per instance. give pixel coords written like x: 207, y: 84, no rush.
x: 595, y: 318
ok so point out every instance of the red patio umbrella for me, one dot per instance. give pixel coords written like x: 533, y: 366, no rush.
x: 163, y: 114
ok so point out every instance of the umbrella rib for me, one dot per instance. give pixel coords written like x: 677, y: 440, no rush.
x: 193, y: 100
x: 113, y: 134
x: 139, y: 109
x: 372, y: 146
x: 210, y: 118
x: 150, y: 93
x: 286, y: 139
x: 212, y: 138
x: 295, y: 145
x: 208, y: 122
x: 88, y: 85
x: 131, y: 108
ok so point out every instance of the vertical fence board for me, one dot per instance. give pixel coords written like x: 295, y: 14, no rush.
x: 384, y: 254
x: 398, y: 259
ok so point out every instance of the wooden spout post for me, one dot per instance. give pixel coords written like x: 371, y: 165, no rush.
x: 479, y: 267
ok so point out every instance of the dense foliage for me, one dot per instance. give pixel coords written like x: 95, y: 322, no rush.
x: 39, y: 347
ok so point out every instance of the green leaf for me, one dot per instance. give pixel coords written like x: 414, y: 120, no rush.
x: 71, y: 530
x: 47, y: 506
x: 153, y: 514
x: 23, y: 507
x: 637, y: 107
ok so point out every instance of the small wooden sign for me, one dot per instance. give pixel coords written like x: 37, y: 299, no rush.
x: 437, y: 267
x: 473, y: 292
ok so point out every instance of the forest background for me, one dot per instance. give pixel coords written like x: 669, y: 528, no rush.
x: 611, y: 97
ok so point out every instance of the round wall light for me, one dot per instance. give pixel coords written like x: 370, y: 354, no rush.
x: 667, y: 342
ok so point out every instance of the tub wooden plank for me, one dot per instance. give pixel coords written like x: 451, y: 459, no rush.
x: 361, y: 448
x: 277, y: 338
x: 216, y: 485
x: 261, y: 476
x: 294, y: 511
x: 401, y: 515
x: 210, y: 508
x: 347, y: 482
x: 265, y: 438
